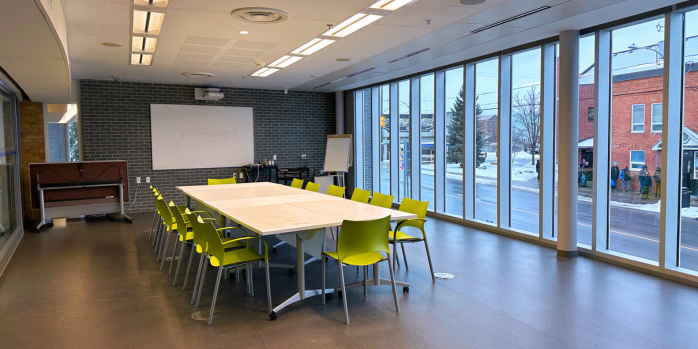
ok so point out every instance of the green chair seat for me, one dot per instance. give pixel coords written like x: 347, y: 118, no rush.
x: 359, y: 259
x: 402, y: 236
x: 237, y: 256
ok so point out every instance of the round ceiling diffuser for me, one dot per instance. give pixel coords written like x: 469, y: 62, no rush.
x: 197, y: 75
x: 111, y: 44
x: 471, y: 2
x: 261, y: 15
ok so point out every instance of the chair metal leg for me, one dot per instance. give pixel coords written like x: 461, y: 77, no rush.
x: 404, y: 256
x: 322, y: 262
x: 215, y: 294
x: 365, y: 280
x: 179, y: 263
x: 174, y: 251
x: 249, y: 271
x: 152, y: 226
x: 186, y: 275
x: 394, y: 255
x: 163, y: 248
x: 156, y: 232
x: 344, y: 294
x: 433, y: 278
x: 332, y: 233
x: 237, y: 274
x: 156, y: 241
x: 198, y: 278
x: 266, y: 266
x: 201, y: 284
x: 392, y: 282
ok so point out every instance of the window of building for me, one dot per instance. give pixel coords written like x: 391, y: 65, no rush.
x: 591, y: 114
x: 384, y: 148
x: 404, y: 166
x: 638, y: 118
x: 656, y: 117
x: 637, y: 159
x: 486, y: 121
x: 454, y: 122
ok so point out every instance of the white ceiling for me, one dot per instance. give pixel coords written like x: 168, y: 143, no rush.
x: 89, y: 22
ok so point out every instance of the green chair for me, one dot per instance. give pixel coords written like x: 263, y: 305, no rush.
x: 314, y: 187
x: 297, y: 183
x: 185, y: 234
x: 336, y: 191
x: 168, y: 225
x: 398, y: 237
x: 219, y: 257
x: 213, y: 181
x: 361, y: 244
x: 382, y: 200
x: 360, y: 195
x: 155, y: 214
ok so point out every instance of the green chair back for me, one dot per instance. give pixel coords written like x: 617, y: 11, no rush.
x: 199, y: 236
x: 314, y: 187
x: 416, y: 207
x: 297, y: 183
x: 336, y: 191
x: 214, y: 244
x: 361, y: 195
x: 164, y: 211
x: 361, y: 237
x: 181, y: 222
x: 382, y: 200
x: 214, y: 181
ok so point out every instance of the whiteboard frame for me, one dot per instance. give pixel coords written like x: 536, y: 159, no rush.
x: 350, y: 161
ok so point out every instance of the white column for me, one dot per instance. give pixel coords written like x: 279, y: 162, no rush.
x: 567, y: 144
x: 469, y: 148
x: 672, y: 124
x: 547, y: 142
x: 394, y: 141
x: 602, y: 141
x: 339, y: 111
x: 504, y: 144
x: 439, y: 142
x: 415, y: 139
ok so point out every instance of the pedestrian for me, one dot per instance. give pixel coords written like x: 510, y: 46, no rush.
x: 645, y: 182
x: 657, y: 176
x: 538, y: 169
x: 615, y: 173
x: 583, y: 168
x: 625, y: 178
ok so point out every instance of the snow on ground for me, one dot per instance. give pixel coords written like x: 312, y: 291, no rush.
x: 687, y: 212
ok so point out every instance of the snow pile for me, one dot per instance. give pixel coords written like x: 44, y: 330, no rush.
x: 687, y: 212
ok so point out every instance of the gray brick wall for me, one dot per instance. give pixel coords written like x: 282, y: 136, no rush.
x: 368, y: 169
x: 116, y: 126
x: 57, y: 142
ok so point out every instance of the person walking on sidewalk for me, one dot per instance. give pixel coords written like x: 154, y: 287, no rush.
x: 583, y: 169
x: 538, y: 169
x: 625, y: 178
x: 615, y: 173
x: 657, y: 176
x: 645, y: 182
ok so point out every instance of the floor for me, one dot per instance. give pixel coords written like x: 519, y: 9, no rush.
x: 96, y: 284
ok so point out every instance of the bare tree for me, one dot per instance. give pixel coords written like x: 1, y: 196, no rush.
x: 525, y: 135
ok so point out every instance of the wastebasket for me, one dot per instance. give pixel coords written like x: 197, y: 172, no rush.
x: 685, y: 197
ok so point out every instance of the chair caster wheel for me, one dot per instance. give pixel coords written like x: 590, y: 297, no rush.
x: 329, y: 296
x: 405, y: 289
x: 339, y: 294
x: 272, y: 316
x: 273, y: 250
x: 291, y: 272
x: 50, y: 225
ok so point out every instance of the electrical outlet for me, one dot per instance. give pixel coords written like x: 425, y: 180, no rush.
x: 138, y: 180
x: 147, y: 179
x: 235, y: 175
x: 303, y: 156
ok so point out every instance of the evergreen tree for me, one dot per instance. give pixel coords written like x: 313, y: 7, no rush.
x: 455, y: 133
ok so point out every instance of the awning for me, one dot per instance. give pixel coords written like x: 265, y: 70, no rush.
x: 689, y: 139
x: 586, y: 144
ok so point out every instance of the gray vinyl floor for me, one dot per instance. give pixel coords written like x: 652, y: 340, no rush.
x: 96, y: 284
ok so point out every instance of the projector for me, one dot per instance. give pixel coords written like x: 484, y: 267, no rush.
x: 207, y: 94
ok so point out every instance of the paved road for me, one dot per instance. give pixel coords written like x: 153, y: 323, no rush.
x: 634, y: 232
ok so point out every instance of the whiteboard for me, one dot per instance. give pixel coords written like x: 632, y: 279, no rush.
x: 200, y: 136
x: 338, y: 153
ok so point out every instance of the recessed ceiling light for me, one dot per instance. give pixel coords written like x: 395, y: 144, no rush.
x: 343, y: 59
x: 244, y: 32
x: 390, y: 5
x: 147, y: 22
x: 141, y: 59
x: 197, y: 75
x: 352, y: 24
x: 111, y: 44
x: 312, y: 46
x: 471, y: 2
x: 264, y: 72
x: 262, y: 15
x: 151, y: 3
x: 313, y: 76
x: 143, y: 44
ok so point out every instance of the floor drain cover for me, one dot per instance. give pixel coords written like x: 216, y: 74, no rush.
x: 444, y: 276
x: 203, y: 315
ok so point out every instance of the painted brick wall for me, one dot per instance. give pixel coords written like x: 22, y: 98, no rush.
x: 31, y: 131
x: 586, y: 101
x: 116, y: 126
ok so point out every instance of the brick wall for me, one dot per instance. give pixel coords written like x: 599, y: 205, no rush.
x: 57, y: 142
x: 586, y: 101
x: 368, y: 164
x: 116, y: 126
x: 31, y: 131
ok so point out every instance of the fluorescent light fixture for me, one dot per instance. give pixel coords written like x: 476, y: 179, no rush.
x: 264, y: 72
x: 140, y: 59
x: 143, y: 44
x: 312, y: 46
x: 244, y: 32
x: 147, y: 22
x: 151, y: 3
x: 390, y: 5
x: 352, y: 24
x: 285, y: 61
x: 68, y: 116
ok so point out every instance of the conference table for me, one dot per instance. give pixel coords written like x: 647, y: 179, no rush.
x: 296, y: 216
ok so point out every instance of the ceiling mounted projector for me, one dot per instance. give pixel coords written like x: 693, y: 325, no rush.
x: 207, y: 94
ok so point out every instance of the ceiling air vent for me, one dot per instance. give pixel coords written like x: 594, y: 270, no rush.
x: 359, y: 72
x: 409, y: 55
x: 512, y: 18
x: 260, y: 15
x: 323, y: 85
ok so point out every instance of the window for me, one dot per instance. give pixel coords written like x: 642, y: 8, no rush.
x: 404, y: 166
x: 454, y: 122
x: 656, y: 117
x: 637, y: 159
x: 486, y: 121
x: 638, y: 118
x: 8, y: 164
x: 591, y: 114
x: 426, y: 138
x: 384, y: 148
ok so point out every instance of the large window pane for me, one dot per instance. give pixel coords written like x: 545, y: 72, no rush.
x: 455, y: 117
x: 637, y: 76
x: 404, y: 167
x: 689, y: 166
x: 384, y: 150
x: 525, y: 140
x: 426, y: 135
x: 486, y: 102
x: 8, y: 161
